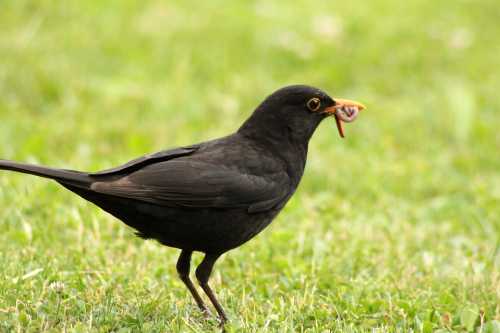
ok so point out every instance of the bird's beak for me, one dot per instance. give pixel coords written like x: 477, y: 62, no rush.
x: 344, y: 111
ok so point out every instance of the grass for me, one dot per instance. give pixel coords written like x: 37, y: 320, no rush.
x: 396, y: 228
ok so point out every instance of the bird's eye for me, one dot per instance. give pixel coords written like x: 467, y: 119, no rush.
x: 314, y: 104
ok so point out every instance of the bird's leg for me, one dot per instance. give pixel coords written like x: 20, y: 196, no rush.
x: 183, y: 264
x: 202, y: 274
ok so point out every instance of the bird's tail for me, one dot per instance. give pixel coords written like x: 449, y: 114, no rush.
x: 70, y: 177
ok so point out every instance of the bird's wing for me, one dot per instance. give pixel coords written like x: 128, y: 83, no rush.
x: 197, y: 184
x: 142, y: 161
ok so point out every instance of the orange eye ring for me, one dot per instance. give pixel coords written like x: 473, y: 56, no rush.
x: 314, y: 104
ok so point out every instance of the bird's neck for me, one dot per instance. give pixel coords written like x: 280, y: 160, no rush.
x: 282, y: 143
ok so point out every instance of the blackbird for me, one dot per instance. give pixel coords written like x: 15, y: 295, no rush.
x: 212, y: 196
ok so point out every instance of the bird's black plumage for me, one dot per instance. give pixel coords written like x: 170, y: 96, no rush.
x: 212, y: 196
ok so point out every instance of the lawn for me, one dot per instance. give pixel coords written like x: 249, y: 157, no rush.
x: 394, y: 229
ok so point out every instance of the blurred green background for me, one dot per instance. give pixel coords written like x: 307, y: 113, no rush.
x: 395, y: 228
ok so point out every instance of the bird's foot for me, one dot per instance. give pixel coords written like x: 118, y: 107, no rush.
x: 206, y: 313
x: 222, y: 324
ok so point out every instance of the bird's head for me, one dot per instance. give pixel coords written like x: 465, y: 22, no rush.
x: 298, y: 110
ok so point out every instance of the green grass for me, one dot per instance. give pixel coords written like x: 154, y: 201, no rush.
x: 396, y: 228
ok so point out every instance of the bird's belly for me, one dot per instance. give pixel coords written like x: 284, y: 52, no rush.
x: 206, y: 230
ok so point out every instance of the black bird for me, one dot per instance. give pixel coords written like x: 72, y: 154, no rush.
x: 216, y: 195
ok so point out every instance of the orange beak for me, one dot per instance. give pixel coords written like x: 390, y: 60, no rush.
x: 344, y: 110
